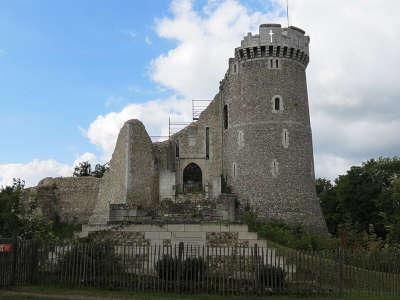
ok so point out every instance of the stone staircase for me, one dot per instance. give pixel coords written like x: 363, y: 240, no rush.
x: 196, y: 208
x: 214, y: 236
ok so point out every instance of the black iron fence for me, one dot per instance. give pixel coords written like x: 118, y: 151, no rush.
x: 198, y: 269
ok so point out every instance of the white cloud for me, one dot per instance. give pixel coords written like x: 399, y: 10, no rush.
x: 33, y: 171
x: 87, y: 156
x: 205, y: 42
x: 330, y: 165
x: 103, y: 131
x: 3, y: 52
x: 352, y: 77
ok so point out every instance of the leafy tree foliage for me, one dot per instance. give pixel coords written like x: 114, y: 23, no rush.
x: 20, y: 217
x: 362, y: 207
x: 85, y: 169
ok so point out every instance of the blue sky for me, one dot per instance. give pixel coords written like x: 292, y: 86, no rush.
x: 72, y: 72
x: 61, y: 61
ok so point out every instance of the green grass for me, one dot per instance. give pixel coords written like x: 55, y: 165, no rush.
x: 51, y: 292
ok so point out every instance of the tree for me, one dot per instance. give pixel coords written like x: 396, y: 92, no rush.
x: 366, y: 200
x: 329, y: 204
x: 85, y: 169
x: 100, y: 169
x: 19, y: 215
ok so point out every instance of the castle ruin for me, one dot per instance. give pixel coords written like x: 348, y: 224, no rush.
x: 251, y: 148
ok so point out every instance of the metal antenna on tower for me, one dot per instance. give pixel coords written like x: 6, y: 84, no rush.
x: 287, y: 12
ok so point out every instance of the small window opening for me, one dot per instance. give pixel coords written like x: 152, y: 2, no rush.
x: 271, y: 63
x: 284, y: 51
x: 262, y: 50
x: 277, y: 63
x: 207, y: 142
x: 278, y: 50
x: 225, y: 116
x: 291, y: 52
x: 177, y: 149
x: 255, y: 51
x: 274, y: 168
x: 234, y: 68
x: 234, y: 170
x: 285, y: 138
x: 270, y: 50
x: 277, y: 103
x: 248, y: 53
x: 241, y: 53
x: 240, y: 139
x: 297, y: 53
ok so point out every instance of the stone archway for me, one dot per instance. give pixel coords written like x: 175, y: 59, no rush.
x: 192, y: 178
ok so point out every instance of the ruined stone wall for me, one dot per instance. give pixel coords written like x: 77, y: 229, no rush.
x: 142, y: 187
x: 132, y: 177
x: 72, y: 199
x: 165, y: 158
x: 192, y: 147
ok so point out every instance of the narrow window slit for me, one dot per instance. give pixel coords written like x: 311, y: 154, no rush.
x: 255, y: 52
x: 241, y: 53
x: 207, y: 143
x: 277, y: 102
x: 263, y: 51
x: 291, y: 52
x: 278, y: 50
x: 225, y: 116
x: 284, y: 51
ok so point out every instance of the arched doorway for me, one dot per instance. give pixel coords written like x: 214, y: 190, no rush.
x: 192, y: 178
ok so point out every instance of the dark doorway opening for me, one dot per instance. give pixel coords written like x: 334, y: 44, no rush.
x: 192, y: 179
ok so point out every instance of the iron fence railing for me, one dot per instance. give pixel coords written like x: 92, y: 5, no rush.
x: 239, y: 269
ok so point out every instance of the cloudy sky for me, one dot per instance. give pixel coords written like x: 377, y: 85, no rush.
x: 71, y: 73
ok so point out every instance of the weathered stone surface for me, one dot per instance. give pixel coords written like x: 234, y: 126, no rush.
x: 132, y: 177
x: 71, y: 199
x: 253, y: 140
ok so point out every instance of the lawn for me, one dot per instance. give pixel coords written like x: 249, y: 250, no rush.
x: 45, y: 292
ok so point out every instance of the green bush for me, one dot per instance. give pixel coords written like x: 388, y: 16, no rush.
x: 272, y: 277
x: 292, y: 237
x: 99, y: 261
x: 172, y: 268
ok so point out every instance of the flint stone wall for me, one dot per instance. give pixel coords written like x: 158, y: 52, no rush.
x: 132, y: 177
x: 72, y: 199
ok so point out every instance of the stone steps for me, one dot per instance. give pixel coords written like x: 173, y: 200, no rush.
x: 198, y: 235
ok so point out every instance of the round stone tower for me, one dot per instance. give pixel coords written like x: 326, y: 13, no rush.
x: 267, y: 141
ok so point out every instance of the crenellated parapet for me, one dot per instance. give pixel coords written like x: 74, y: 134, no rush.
x: 275, y: 41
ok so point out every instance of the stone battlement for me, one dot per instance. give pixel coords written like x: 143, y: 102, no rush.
x: 275, y: 41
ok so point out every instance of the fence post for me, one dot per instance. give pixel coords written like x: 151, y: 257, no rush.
x: 34, y: 262
x: 14, y: 259
x: 340, y: 271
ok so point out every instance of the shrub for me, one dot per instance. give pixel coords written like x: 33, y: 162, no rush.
x: 272, y: 277
x: 194, y: 268
x: 294, y: 237
x: 99, y: 260
x: 167, y: 267
x: 172, y: 268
